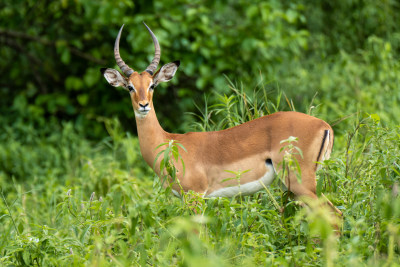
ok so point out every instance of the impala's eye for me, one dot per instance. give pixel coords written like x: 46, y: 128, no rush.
x: 152, y: 86
x: 130, y: 88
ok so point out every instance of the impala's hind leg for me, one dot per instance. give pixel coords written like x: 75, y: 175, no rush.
x: 305, y: 191
x: 307, y: 187
x: 331, y: 205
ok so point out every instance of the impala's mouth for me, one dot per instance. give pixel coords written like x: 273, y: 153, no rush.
x: 142, y: 112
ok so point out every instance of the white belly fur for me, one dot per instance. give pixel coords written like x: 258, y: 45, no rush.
x: 248, y: 188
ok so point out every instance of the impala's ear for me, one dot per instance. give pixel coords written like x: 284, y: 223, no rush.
x: 166, y: 73
x: 114, y: 77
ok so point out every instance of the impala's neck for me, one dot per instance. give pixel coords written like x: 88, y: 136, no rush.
x: 151, y: 134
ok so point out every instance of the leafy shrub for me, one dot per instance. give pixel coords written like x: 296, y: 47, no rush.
x: 108, y: 209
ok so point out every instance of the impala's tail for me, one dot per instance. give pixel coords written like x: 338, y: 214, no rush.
x: 324, y: 154
x: 326, y: 147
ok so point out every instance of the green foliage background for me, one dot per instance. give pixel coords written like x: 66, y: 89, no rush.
x: 337, y: 60
x: 346, y: 51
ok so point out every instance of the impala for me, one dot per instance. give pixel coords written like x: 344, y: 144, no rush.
x: 253, y: 146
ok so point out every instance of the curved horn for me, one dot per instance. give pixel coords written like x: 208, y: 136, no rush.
x: 121, y: 64
x: 157, y: 53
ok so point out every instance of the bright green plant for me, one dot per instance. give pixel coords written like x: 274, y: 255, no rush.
x: 170, y: 157
x: 290, y: 164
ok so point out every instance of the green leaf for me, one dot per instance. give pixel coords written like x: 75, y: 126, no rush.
x: 375, y: 117
x: 175, y: 153
x: 320, y: 184
x: 26, y: 255
x: 65, y: 56
x: 162, y: 165
x: 179, y: 144
x: 83, y: 99
x: 73, y: 83
x: 92, y: 76
x: 85, y: 233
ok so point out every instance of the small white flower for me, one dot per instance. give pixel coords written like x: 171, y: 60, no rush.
x: 34, y: 239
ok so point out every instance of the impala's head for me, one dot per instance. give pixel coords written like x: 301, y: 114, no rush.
x: 140, y: 85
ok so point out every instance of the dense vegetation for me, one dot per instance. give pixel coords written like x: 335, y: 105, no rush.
x: 75, y: 190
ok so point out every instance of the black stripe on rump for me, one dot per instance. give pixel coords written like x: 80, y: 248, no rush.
x: 322, y: 145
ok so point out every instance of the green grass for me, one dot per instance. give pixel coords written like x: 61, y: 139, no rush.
x: 66, y: 200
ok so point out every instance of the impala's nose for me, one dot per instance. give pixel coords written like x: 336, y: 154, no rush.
x: 143, y: 104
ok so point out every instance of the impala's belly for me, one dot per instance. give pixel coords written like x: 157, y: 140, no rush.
x: 246, y: 188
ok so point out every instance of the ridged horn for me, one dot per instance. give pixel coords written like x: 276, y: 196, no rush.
x: 121, y: 64
x: 157, y: 53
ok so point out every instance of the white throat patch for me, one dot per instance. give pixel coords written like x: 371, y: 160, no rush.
x: 140, y: 115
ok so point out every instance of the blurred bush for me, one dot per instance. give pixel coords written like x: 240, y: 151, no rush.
x: 51, y: 52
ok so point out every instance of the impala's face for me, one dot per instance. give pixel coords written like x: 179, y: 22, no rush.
x: 141, y: 88
x: 140, y: 85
